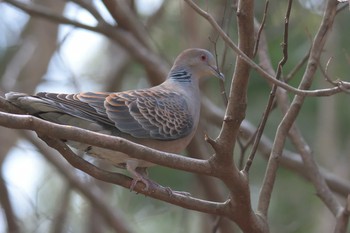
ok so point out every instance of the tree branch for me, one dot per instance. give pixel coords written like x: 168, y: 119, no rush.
x: 261, y: 71
x: 105, y: 141
x: 5, y: 202
x: 290, y: 117
x: 159, y: 193
x: 92, y: 193
x: 49, y: 131
x: 222, y: 161
x: 155, y: 65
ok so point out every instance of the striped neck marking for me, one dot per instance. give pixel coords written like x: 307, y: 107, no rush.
x: 180, y: 75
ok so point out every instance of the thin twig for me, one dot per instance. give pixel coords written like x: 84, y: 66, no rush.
x: 292, y: 73
x: 149, y: 59
x: 289, y: 119
x: 244, y: 147
x: 288, y: 159
x: 8, y: 210
x: 261, y: 28
x: 337, y: 83
x: 241, y: 54
x: 270, y: 104
x: 222, y: 83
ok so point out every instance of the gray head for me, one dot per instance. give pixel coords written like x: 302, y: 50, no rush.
x: 199, y: 62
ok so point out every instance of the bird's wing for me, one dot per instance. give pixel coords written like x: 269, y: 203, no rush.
x: 72, y: 105
x: 142, y: 113
x: 152, y: 114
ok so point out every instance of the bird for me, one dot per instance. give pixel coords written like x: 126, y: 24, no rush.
x: 163, y: 117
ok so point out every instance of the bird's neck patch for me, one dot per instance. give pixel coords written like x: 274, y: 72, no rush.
x: 180, y: 75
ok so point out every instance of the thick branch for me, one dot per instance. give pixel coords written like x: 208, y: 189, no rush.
x: 236, y: 181
x: 49, y: 131
x: 127, y: 20
x: 104, y: 141
x: 159, y: 193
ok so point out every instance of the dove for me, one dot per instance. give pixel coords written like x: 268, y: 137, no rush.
x: 163, y: 117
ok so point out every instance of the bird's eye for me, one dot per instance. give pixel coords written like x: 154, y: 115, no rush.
x: 203, y: 57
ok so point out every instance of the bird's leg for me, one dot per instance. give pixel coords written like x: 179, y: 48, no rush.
x: 139, y: 174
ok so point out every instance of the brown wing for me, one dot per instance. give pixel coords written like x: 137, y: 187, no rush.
x: 151, y: 114
x: 143, y: 113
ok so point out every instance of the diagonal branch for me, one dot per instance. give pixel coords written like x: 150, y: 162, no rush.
x: 49, y: 132
x: 93, y: 194
x: 159, y: 193
x: 127, y: 19
x: 260, y: 70
x: 273, y: 91
x: 5, y: 202
x: 343, y: 218
x: 288, y: 159
x: 155, y: 65
x: 289, y: 119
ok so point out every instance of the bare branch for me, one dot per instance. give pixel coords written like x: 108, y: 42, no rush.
x: 343, y: 218
x: 89, y: 7
x: 312, y: 169
x: 289, y: 120
x: 104, y: 141
x: 294, y: 162
x: 292, y: 73
x: 262, y: 72
x: 5, y: 202
x: 256, y: 46
x: 222, y: 161
x: 269, y: 105
x: 151, y: 61
x: 92, y: 193
x: 127, y: 20
x: 159, y: 193
x: 62, y: 210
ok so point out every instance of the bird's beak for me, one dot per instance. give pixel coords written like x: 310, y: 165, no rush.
x: 216, y: 72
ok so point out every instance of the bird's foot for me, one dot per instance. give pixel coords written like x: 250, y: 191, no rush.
x: 149, y: 184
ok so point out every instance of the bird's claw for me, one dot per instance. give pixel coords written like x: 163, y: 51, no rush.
x: 149, y: 184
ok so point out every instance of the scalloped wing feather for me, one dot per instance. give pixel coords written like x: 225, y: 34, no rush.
x: 150, y: 114
x: 142, y: 114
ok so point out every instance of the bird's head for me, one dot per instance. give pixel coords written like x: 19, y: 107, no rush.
x: 199, y: 62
